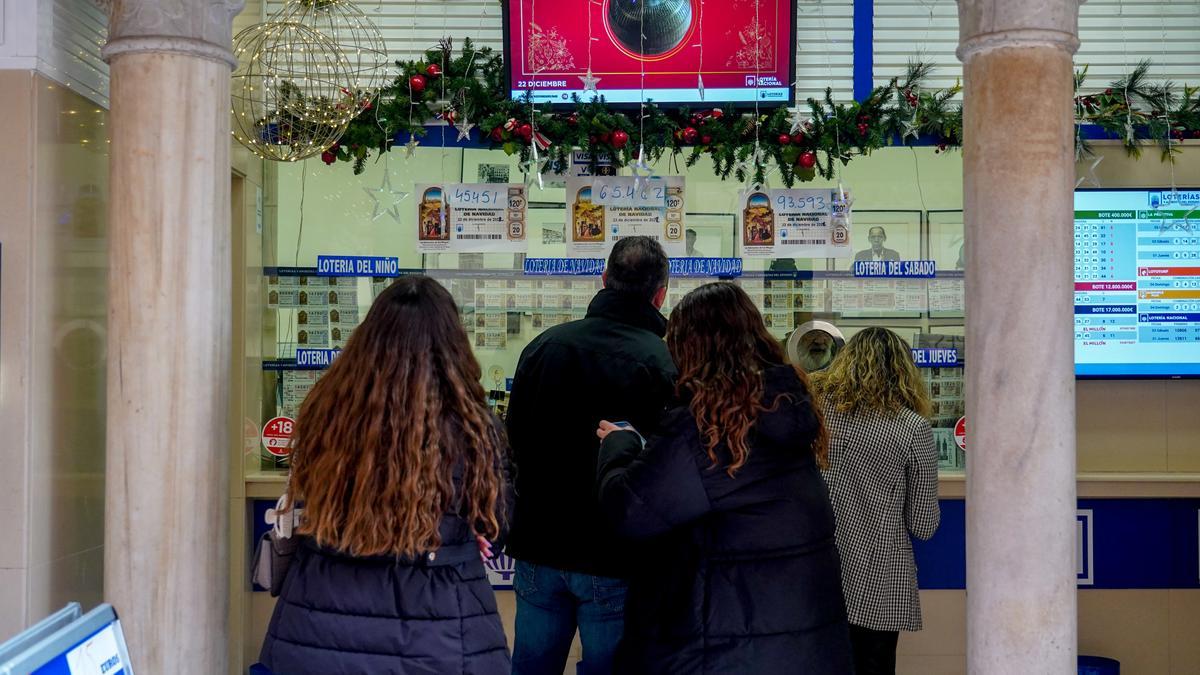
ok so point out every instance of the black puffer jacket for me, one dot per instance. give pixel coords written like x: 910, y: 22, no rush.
x: 736, y: 575
x: 343, y: 615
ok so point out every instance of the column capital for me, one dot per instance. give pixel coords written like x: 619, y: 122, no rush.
x: 201, y: 28
x: 989, y: 24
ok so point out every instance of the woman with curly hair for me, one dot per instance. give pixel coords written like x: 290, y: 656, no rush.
x: 882, y: 477
x: 398, y: 462
x: 738, y: 570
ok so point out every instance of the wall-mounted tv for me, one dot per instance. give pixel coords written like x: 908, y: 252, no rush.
x: 1137, y: 283
x: 744, y: 50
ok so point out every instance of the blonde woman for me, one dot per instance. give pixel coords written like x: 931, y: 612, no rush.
x: 882, y: 478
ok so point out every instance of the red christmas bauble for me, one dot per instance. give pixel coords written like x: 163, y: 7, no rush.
x: 690, y: 134
x: 329, y: 156
x: 705, y: 139
x: 797, y: 138
x: 498, y: 134
x: 526, y: 131
x: 619, y: 139
x: 416, y: 83
x: 784, y: 139
x: 808, y: 159
x: 606, y: 137
x: 433, y: 70
x: 573, y: 118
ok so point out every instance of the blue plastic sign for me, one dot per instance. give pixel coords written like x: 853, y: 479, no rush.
x: 895, y: 269
x: 564, y: 266
x: 357, y: 266
x: 315, y: 358
x: 706, y: 267
x: 936, y: 358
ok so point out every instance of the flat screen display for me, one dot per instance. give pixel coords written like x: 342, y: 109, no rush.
x: 1137, y: 283
x: 743, y: 49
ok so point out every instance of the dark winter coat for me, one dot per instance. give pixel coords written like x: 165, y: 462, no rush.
x: 343, y: 615
x: 610, y: 365
x: 737, y: 575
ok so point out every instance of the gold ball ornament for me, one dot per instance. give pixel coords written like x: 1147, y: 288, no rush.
x: 354, y: 33
x: 289, y: 93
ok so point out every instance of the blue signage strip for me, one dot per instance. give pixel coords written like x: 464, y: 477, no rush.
x: 936, y: 358
x: 1123, y: 544
x: 1106, y: 309
x: 315, y: 358
x: 564, y: 266
x: 706, y: 267
x: 1170, y: 318
x: 357, y: 266
x: 896, y: 269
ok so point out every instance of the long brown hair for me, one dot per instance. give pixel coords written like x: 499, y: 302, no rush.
x: 379, y: 437
x: 874, y: 371
x: 721, y: 347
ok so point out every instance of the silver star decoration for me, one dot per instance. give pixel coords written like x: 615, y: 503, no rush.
x: 1091, y: 173
x: 411, y: 146
x: 797, y: 120
x: 464, y: 130
x: 640, y: 168
x: 700, y: 85
x: 589, y: 81
x: 910, y: 128
x: 747, y: 166
x: 532, y: 168
x: 385, y: 199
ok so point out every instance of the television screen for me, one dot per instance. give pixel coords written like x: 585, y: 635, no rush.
x: 743, y: 49
x: 1137, y: 283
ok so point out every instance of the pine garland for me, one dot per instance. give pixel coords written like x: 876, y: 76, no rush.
x: 473, y: 80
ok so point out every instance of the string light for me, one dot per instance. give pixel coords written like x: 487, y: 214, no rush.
x: 289, y: 94
x: 359, y: 39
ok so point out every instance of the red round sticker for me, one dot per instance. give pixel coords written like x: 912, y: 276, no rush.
x: 277, y: 436
x: 960, y: 433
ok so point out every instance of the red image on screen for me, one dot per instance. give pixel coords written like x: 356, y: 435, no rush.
x: 742, y: 50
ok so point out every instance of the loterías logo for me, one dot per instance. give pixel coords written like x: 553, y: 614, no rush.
x: 500, y: 571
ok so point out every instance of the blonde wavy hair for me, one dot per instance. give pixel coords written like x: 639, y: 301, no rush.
x: 874, y: 371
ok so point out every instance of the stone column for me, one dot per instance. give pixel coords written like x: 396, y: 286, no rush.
x: 1018, y: 180
x: 166, y: 554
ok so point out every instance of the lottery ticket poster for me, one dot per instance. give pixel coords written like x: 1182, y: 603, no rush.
x: 593, y: 227
x: 781, y: 223
x: 471, y: 218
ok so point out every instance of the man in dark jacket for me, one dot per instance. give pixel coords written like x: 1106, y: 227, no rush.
x: 612, y: 365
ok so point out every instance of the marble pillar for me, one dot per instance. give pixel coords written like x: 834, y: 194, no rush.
x: 1018, y: 178
x: 166, y: 519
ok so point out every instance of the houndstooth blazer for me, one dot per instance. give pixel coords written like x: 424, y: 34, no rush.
x: 882, y: 479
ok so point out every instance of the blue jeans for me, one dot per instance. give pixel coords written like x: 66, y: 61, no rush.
x: 551, y: 604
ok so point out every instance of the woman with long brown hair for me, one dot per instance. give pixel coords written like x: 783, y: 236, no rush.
x: 397, y: 465
x: 738, y: 571
x: 882, y: 477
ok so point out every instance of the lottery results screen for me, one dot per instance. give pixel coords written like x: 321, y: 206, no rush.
x: 1137, y: 283
x: 739, y: 50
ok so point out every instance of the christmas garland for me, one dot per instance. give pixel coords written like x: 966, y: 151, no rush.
x: 802, y: 142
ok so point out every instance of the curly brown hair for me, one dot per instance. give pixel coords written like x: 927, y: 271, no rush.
x: 721, y: 347
x: 379, y: 438
x: 874, y: 372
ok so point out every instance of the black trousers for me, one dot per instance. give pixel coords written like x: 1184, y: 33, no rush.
x: 874, y: 650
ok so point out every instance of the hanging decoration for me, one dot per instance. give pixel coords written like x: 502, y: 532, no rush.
x: 289, y: 93
x: 358, y: 38
x: 830, y: 134
x: 303, y: 76
x: 385, y: 199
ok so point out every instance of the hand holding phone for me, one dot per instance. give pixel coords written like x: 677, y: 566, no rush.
x: 607, y: 428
